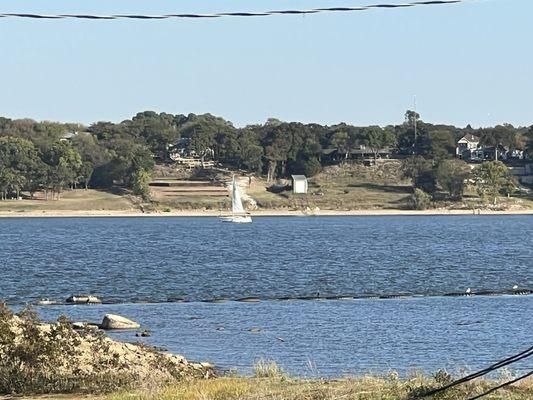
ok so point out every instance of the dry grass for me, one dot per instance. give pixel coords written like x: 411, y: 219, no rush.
x: 71, y: 200
x: 192, y: 201
x: 276, y: 388
x: 347, y: 187
x: 353, y: 186
x: 272, y: 383
x: 268, y: 369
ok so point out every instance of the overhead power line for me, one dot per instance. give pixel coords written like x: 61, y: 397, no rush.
x: 510, y: 360
x: 229, y: 14
x: 516, y: 380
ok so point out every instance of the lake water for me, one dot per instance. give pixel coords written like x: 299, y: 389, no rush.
x: 137, y: 264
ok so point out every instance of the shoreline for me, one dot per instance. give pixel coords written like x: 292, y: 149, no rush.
x: 260, y: 213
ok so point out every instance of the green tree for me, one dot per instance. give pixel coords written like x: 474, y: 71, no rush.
x: 7, y: 179
x: 452, y: 176
x: 409, y: 132
x: 438, y: 144
x: 19, y: 164
x: 63, y: 163
x: 93, y: 156
x: 421, y: 172
x: 310, y: 167
x: 377, y: 139
x: 529, y: 141
x: 202, y: 131
x: 140, y: 183
x: 86, y: 171
x: 249, y: 150
x: 501, y: 135
x: 411, y: 117
x: 491, y: 178
x: 277, y: 145
x: 342, y: 142
x: 157, y: 130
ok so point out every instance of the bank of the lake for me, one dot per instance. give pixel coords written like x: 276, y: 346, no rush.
x: 257, y: 213
x: 60, y: 360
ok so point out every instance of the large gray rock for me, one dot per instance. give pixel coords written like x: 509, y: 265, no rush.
x: 112, y: 321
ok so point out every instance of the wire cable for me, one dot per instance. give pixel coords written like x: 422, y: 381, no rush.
x: 501, y: 386
x: 510, y: 360
x: 230, y: 14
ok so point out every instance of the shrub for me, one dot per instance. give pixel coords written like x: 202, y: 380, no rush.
x: 277, y: 189
x: 37, y: 358
x: 420, y: 200
x: 268, y: 369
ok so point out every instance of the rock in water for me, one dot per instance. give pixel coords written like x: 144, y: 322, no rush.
x: 112, y: 321
x: 84, y: 300
x: 46, y: 302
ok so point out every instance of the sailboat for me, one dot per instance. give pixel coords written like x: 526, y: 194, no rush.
x: 238, y: 214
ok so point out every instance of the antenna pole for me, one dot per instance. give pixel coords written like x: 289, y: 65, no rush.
x: 416, y: 133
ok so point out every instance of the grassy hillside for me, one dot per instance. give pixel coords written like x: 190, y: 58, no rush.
x: 348, y: 187
x: 71, y: 200
x: 344, y: 187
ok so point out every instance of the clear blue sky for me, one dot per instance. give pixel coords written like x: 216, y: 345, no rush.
x: 466, y: 63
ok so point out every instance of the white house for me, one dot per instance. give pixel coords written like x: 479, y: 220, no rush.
x: 468, y: 143
x: 299, y: 184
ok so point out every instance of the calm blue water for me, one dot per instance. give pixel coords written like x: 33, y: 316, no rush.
x: 134, y: 260
x: 334, y: 338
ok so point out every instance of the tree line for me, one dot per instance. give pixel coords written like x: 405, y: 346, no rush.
x: 53, y: 156
x: 490, y: 179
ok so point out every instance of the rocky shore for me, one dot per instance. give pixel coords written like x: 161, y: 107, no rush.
x: 38, y: 357
x: 67, y: 360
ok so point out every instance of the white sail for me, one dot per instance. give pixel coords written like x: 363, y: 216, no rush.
x: 236, y: 201
x: 238, y: 214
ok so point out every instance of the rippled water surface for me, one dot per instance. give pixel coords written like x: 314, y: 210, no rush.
x: 334, y: 338
x: 153, y: 259
x: 134, y: 260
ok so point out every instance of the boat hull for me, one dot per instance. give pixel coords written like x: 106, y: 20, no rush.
x: 237, y: 219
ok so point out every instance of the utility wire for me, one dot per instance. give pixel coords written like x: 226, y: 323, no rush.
x: 502, y: 386
x: 510, y: 360
x: 229, y: 14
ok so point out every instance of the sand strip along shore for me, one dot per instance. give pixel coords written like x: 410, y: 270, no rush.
x: 260, y: 213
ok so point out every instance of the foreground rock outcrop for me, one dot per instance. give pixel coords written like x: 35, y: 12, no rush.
x: 46, y: 358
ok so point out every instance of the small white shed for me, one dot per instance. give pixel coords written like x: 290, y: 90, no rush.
x: 299, y: 184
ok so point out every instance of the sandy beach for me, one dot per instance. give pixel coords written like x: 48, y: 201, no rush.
x: 260, y: 213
